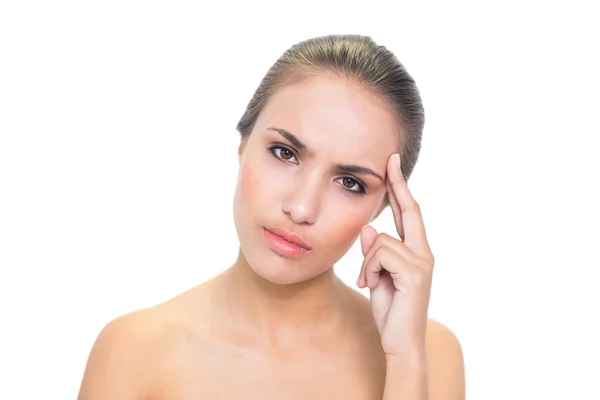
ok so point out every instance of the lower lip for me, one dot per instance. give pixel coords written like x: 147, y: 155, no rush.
x: 284, y: 247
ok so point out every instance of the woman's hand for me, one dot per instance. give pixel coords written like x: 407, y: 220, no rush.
x: 398, y: 272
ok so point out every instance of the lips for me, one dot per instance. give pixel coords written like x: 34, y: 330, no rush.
x: 289, y: 236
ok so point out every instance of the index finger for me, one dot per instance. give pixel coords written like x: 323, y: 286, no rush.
x: 407, y: 212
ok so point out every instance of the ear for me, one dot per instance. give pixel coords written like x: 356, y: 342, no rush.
x: 242, y: 146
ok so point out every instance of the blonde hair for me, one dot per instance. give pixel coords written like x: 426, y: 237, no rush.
x: 354, y: 57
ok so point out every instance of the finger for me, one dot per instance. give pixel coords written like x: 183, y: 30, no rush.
x: 368, y: 235
x: 411, y: 220
x: 402, y: 272
x: 381, y: 240
x: 395, y: 210
x: 383, y: 260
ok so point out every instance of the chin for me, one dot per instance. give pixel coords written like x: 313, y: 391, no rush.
x: 275, y: 268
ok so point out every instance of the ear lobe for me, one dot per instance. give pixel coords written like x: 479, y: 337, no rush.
x: 241, y: 148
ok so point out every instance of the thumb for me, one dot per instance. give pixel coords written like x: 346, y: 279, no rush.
x: 368, y: 234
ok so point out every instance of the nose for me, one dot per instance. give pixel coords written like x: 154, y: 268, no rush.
x: 302, y: 200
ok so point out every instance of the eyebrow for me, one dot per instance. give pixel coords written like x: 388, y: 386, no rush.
x: 342, y: 167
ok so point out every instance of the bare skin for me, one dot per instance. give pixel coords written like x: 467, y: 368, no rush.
x: 272, y: 326
x: 339, y: 358
x: 186, y: 348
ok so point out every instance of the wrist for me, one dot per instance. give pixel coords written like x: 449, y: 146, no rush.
x: 414, y: 357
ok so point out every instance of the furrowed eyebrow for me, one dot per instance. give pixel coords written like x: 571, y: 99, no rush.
x: 291, y: 138
x: 342, y: 167
x: 358, y: 170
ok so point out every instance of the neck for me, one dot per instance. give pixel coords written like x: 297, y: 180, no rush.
x: 313, y: 306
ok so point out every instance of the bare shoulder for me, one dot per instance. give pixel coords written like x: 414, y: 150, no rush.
x: 120, y: 361
x: 128, y: 355
x: 445, y: 362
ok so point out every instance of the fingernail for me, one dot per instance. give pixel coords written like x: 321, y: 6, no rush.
x: 397, y: 160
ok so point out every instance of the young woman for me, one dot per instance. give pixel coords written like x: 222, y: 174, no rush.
x: 327, y: 142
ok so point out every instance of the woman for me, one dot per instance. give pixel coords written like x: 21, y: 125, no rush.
x: 317, y: 163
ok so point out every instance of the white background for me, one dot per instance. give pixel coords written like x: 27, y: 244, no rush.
x: 118, y: 164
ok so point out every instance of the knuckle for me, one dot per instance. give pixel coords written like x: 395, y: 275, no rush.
x: 380, y: 250
x: 429, y: 261
x: 384, y: 237
x: 388, y: 239
x: 412, y: 206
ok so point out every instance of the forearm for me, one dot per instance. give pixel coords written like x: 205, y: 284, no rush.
x: 406, y: 377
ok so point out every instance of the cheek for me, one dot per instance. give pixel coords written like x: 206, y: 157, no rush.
x: 246, y: 191
x: 260, y: 181
x: 349, y: 229
x: 249, y: 184
x: 345, y: 230
x: 257, y: 187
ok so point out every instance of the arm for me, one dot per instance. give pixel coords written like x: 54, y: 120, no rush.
x: 436, y: 374
x: 117, y: 364
x: 406, y: 376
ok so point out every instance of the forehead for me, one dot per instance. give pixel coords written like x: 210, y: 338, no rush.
x: 333, y: 116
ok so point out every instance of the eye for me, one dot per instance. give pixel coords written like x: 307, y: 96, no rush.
x: 349, y: 183
x: 281, y: 153
x: 285, y: 154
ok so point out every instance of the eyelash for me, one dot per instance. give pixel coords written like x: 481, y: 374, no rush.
x: 362, y: 188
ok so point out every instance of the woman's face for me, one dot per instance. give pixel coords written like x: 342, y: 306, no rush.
x: 290, y: 175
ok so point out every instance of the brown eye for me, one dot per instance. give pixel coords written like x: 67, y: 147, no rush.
x: 282, y: 153
x: 353, y: 185
x: 349, y: 182
x: 286, y: 154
